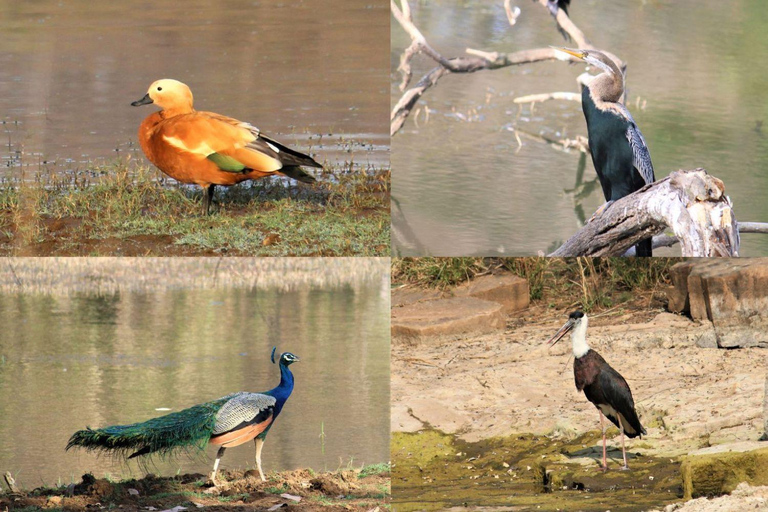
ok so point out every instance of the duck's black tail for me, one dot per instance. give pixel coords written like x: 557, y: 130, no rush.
x: 298, y: 174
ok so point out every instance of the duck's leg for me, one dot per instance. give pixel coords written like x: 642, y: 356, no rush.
x: 259, y: 445
x: 602, y: 427
x: 623, y: 451
x: 208, y: 198
x: 216, y: 464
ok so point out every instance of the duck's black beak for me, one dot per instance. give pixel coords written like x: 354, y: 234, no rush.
x: 146, y: 100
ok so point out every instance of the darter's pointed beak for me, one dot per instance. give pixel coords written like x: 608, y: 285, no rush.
x: 579, y: 54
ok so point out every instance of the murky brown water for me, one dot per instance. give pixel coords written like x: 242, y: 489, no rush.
x: 312, y: 72
x: 465, y: 186
x: 68, y: 362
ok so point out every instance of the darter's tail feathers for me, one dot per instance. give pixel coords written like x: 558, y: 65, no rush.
x: 644, y: 248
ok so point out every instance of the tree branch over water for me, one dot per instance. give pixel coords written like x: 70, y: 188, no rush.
x: 475, y: 61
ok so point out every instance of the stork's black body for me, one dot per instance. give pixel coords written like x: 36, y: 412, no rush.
x: 607, y: 389
x: 602, y: 385
x: 619, y: 152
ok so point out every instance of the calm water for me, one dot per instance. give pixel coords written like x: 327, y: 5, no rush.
x: 68, y: 362
x: 313, y: 72
x: 464, y: 186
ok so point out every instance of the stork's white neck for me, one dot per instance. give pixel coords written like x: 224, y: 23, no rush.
x: 579, y: 338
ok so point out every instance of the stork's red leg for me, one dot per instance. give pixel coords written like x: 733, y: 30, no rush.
x: 623, y: 451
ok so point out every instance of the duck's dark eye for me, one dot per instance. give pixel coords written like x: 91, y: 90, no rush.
x: 159, y: 88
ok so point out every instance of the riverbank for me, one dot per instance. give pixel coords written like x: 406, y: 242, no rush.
x: 124, y: 209
x: 366, y: 488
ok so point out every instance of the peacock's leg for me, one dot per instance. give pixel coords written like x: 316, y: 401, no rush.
x: 259, y: 446
x: 216, y: 464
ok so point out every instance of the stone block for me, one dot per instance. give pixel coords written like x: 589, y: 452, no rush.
x: 719, y: 469
x: 451, y: 317
x: 508, y: 290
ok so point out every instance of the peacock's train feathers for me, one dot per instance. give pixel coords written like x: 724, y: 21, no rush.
x: 184, y: 430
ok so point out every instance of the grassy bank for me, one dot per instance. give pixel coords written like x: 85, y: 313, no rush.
x: 131, y: 210
x: 592, y: 283
x: 304, y: 489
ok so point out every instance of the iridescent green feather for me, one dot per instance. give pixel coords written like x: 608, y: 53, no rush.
x: 226, y: 163
x: 187, y: 429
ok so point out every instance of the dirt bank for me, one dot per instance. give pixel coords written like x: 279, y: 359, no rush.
x: 302, y: 489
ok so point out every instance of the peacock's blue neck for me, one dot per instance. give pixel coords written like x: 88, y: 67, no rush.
x: 284, y: 389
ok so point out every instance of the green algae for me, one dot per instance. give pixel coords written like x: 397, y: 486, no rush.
x: 432, y: 470
x: 719, y: 473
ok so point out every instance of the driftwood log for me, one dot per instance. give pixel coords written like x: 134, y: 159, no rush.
x: 691, y: 203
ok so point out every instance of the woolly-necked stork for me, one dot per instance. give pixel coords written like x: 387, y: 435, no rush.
x: 602, y: 385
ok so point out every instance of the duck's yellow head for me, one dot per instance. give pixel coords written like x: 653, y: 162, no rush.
x: 168, y: 94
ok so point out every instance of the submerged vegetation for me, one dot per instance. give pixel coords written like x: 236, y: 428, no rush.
x: 127, y: 209
x: 591, y: 282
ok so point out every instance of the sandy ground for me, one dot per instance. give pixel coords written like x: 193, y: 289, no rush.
x: 496, y: 385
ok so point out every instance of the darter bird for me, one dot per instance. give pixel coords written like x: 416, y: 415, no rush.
x: 619, y: 152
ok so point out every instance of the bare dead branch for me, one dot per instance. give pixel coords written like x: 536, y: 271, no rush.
x: 512, y: 13
x: 579, y: 142
x: 476, y: 61
x: 546, y: 96
x: 690, y: 203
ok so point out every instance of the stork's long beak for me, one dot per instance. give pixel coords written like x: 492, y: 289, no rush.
x: 579, y: 54
x: 565, y: 329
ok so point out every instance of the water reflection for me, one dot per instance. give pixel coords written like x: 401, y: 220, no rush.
x: 471, y: 188
x: 97, y: 360
x: 309, y: 71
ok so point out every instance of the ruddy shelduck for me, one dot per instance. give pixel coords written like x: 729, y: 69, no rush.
x: 210, y: 149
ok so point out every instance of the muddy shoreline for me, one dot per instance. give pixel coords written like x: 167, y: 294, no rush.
x: 302, y: 489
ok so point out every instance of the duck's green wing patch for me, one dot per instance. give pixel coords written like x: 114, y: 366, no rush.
x: 226, y: 163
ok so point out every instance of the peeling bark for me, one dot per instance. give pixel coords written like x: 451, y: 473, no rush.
x: 690, y: 203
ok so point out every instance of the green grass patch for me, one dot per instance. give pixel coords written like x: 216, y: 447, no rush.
x: 135, y: 209
x: 588, y: 283
x: 381, y: 468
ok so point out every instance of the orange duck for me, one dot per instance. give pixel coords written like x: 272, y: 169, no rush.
x: 210, y: 149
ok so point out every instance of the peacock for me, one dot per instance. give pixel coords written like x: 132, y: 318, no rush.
x: 229, y: 421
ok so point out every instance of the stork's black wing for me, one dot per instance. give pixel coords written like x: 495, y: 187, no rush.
x: 618, y: 395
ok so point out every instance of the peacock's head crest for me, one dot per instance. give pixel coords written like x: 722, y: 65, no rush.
x: 286, y: 358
